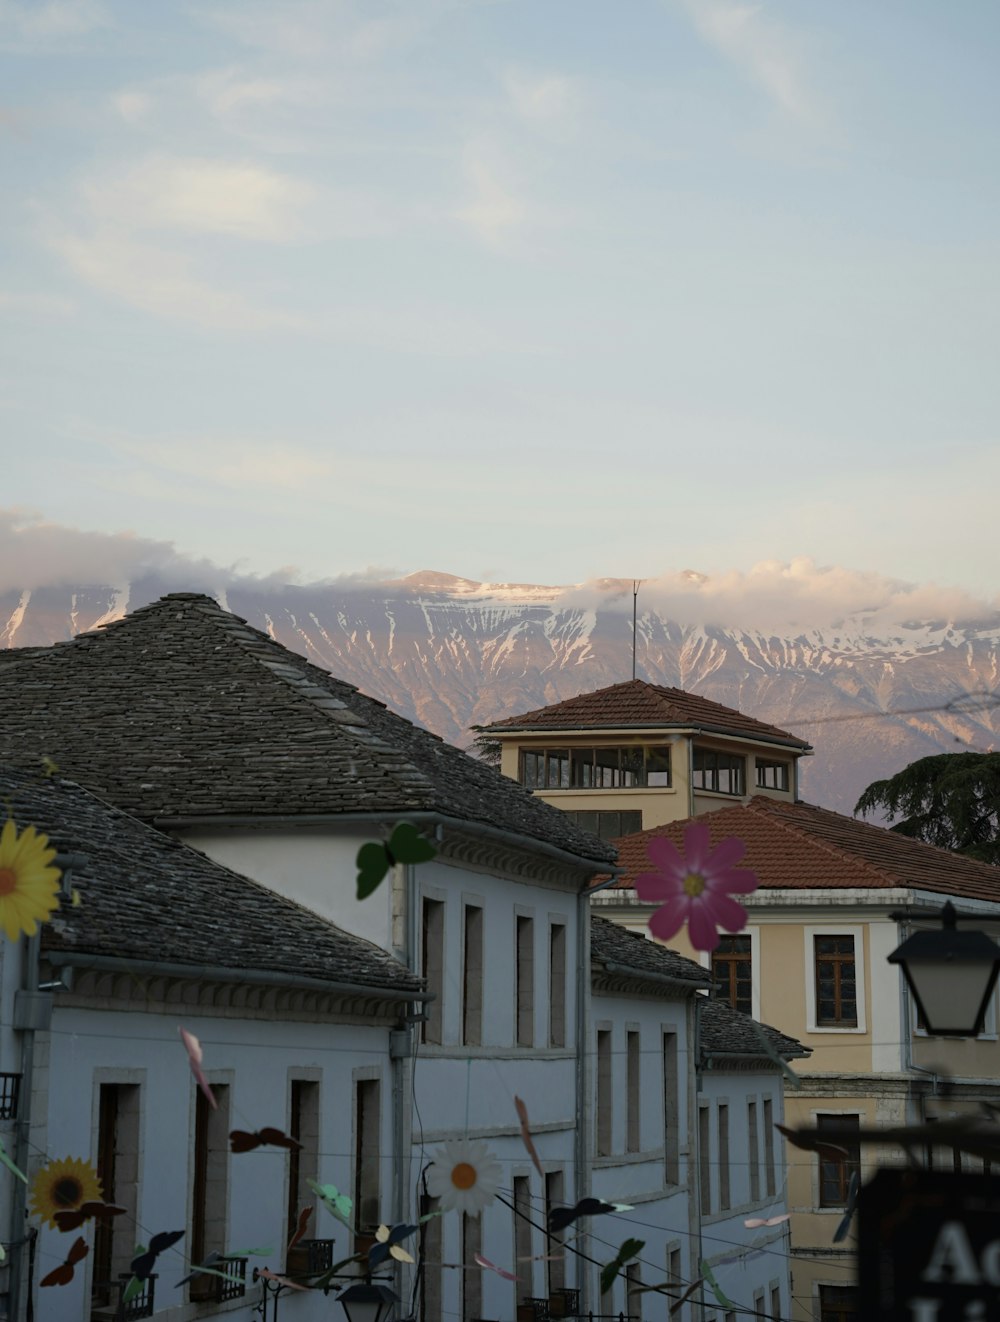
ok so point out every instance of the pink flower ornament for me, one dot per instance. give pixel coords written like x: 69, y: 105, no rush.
x: 695, y: 886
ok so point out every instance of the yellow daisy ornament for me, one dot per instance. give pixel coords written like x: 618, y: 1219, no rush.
x: 61, y: 1185
x: 464, y: 1176
x: 29, y: 885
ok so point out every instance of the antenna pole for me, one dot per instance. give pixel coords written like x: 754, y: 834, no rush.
x: 635, y: 597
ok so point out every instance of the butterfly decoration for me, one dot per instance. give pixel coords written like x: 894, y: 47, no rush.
x: 300, y: 1227
x: 240, y: 1140
x: 63, y: 1274
x: 810, y: 1144
x: 713, y: 1284
x: 526, y: 1139
x: 144, y: 1261
x: 756, y: 1222
x: 387, y: 1243
x: 843, y: 1229
x: 6, y: 1161
x: 480, y: 1261
x: 265, y: 1274
x: 561, y: 1217
x: 334, y: 1201
x: 630, y: 1248
x: 769, y: 1050
x: 193, y: 1047
x: 72, y: 1218
x: 405, y: 845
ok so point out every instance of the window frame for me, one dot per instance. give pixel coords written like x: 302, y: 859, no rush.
x: 731, y: 959
x: 860, y: 967
x: 845, y: 1166
x: 735, y: 762
x: 552, y: 767
x: 765, y: 764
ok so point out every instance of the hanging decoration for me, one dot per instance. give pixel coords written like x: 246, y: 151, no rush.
x: 694, y: 887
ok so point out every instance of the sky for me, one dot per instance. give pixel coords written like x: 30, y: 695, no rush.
x: 519, y: 290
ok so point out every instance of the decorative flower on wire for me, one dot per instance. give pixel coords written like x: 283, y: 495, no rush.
x: 28, y: 884
x: 464, y: 1176
x: 694, y: 886
x: 62, y: 1184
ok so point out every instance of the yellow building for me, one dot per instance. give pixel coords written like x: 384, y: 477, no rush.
x: 812, y: 959
x: 635, y: 755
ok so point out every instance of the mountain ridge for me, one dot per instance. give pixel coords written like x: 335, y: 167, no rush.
x: 870, y: 693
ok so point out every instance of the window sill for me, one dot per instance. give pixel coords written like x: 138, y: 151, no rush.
x: 832, y: 1028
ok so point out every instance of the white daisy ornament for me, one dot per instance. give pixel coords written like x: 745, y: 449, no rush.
x: 464, y: 1176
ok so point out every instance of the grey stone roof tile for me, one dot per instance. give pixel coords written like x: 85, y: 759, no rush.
x: 146, y: 896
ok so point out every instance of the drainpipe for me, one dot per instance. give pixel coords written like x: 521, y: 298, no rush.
x: 32, y: 1014
x: 695, y: 1210
x: 584, y: 1119
x: 690, y: 748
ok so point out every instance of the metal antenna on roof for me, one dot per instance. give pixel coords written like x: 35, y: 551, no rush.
x: 635, y: 597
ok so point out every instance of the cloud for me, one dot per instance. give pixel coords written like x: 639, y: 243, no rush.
x: 201, y: 197
x: 160, y: 281
x: 494, y: 209
x: 37, y: 305
x: 35, y: 23
x: 132, y: 106
x: 548, y: 100
x: 760, y: 47
x: 35, y: 553
x: 231, y: 463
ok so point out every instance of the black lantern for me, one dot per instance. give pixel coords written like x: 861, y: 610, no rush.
x: 366, y: 1302
x: 951, y: 974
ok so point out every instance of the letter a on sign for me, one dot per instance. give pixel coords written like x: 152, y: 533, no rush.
x: 953, y: 1259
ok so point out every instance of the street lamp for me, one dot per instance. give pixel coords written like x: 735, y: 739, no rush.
x: 951, y: 974
x: 366, y: 1302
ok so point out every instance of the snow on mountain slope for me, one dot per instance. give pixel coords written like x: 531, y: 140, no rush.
x: 871, y: 694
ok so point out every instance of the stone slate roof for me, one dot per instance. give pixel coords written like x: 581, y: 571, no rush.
x: 797, y: 846
x: 610, y: 943
x: 146, y: 896
x: 728, y: 1032
x: 183, y: 710
x: 635, y: 703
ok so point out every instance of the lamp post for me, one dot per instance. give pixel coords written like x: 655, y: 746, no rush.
x: 951, y: 975
x: 366, y: 1302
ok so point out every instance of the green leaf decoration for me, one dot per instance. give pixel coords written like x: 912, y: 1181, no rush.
x: 6, y: 1161
x: 709, y: 1276
x: 334, y: 1201
x: 768, y: 1048
x: 631, y: 1248
x: 134, y: 1287
x: 405, y: 845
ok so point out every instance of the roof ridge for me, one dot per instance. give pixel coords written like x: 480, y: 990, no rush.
x: 778, y: 813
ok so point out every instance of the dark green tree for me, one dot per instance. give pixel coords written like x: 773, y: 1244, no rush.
x: 951, y: 800
x: 487, y: 747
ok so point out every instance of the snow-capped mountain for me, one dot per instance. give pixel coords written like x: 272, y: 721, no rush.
x: 870, y: 694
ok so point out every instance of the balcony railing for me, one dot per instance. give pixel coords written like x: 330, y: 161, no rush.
x: 10, y: 1093
x: 107, y: 1296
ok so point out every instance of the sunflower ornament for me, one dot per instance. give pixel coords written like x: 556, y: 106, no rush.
x: 29, y: 885
x: 61, y: 1185
x: 464, y: 1176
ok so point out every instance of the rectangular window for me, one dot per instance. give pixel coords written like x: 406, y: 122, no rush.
x: 432, y: 964
x: 522, y: 1236
x: 723, y: 1118
x: 210, y: 1193
x: 557, y: 985
x: 367, y: 1158
x: 758, y: 1305
x: 472, y: 977
x: 608, y: 825
x: 430, y: 1262
x: 633, y: 1094
x: 705, y: 1159
x: 769, y: 1172
x: 753, y: 1145
x: 724, y: 773
x: 772, y: 775
x: 118, y: 1171
x: 732, y: 972
x: 675, y: 1279
x: 525, y: 981
x: 633, y: 1290
x: 671, y: 1117
x: 555, y: 1196
x: 603, y: 1092
x: 472, y: 1281
x: 835, y: 1169
x: 634, y: 767
x: 303, y: 1125
x: 838, y: 1303
x: 836, y: 988
x: 776, y: 1302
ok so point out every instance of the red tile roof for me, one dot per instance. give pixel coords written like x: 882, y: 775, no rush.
x: 797, y: 846
x: 637, y: 703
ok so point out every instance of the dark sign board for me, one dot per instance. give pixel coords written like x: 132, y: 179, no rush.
x: 929, y: 1247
